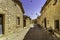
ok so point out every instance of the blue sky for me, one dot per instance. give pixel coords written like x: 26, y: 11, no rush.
x: 32, y: 7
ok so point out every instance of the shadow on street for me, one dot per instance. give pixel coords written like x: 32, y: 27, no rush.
x: 37, y: 33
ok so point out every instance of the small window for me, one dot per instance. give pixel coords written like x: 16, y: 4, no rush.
x: 15, y: 4
x: 55, y: 1
x: 18, y: 20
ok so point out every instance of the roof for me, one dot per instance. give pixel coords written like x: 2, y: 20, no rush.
x: 19, y: 3
x: 25, y: 17
x: 47, y: 2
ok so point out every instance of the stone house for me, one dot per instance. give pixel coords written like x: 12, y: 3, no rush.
x: 27, y: 21
x: 50, y: 16
x: 11, y: 16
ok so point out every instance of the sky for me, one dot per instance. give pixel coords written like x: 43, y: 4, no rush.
x: 32, y: 8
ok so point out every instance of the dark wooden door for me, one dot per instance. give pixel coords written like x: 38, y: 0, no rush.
x: 1, y: 24
x: 45, y: 22
x: 24, y: 23
x: 57, y: 24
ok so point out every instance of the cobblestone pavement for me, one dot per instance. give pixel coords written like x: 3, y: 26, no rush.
x: 37, y: 33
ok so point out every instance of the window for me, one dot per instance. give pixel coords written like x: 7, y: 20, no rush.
x: 55, y: 1
x: 18, y: 20
x: 15, y: 4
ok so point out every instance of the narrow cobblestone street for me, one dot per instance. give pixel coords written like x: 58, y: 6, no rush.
x: 37, y: 33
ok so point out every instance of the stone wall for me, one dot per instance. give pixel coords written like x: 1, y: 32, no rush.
x: 11, y: 11
x: 28, y: 22
x: 51, y: 13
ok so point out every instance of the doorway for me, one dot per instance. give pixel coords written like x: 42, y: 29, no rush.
x: 45, y: 22
x: 24, y: 23
x: 1, y: 24
x: 57, y: 25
